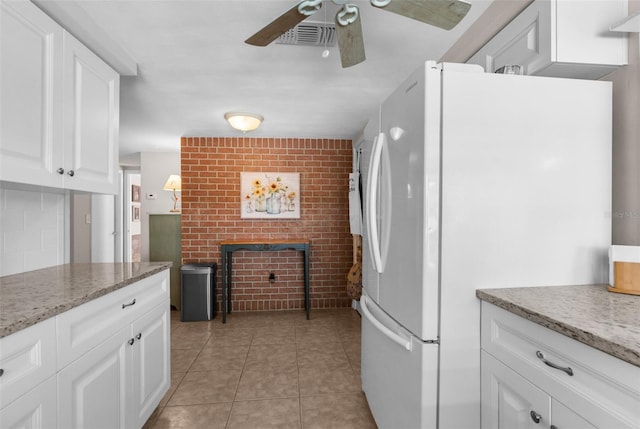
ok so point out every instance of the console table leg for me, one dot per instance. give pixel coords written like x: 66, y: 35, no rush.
x: 224, y: 287
x: 307, y: 303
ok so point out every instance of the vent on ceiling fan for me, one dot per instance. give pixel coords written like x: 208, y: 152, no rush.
x: 309, y: 33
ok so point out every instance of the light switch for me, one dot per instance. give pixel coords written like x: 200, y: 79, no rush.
x: 151, y: 196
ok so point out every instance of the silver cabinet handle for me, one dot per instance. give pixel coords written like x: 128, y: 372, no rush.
x: 71, y: 173
x: 60, y: 170
x: 139, y: 336
x: 130, y: 304
x: 535, y: 417
x: 131, y: 341
x: 566, y: 369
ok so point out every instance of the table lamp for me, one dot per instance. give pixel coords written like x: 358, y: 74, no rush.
x: 174, y: 184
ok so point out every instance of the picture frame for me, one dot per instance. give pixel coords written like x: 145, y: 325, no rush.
x: 135, y: 193
x: 135, y: 213
x: 269, y: 195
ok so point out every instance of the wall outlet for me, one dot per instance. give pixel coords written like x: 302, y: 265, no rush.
x: 152, y: 196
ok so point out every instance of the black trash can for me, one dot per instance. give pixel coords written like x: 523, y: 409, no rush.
x: 198, y: 291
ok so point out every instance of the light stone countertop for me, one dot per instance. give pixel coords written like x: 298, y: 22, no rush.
x: 607, y: 321
x: 34, y: 296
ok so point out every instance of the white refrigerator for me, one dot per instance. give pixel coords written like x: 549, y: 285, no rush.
x: 471, y: 180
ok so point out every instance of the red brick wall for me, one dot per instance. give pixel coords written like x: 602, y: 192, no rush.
x: 210, y: 169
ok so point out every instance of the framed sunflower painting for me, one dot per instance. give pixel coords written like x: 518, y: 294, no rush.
x: 269, y: 195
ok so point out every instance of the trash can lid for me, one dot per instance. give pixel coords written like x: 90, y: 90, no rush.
x: 199, y: 266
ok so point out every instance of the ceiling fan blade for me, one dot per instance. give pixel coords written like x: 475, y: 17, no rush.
x: 277, y: 27
x: 350, y: 42
x: 445, y: 14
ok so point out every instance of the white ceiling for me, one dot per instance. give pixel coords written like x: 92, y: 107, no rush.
x: 193, y: 66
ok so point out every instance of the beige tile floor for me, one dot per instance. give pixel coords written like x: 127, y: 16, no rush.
x: 266, y: 370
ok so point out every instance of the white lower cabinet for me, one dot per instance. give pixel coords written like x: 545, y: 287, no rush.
x: 151, y: 362
x: 533, y: 377
x: 35, y: 409
x: 93, y: 391
x: 508, y: 400
x: 119, y: 383
x: 103, y: 364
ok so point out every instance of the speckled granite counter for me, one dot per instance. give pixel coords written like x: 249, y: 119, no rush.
x: 590, y: 314
x: 28, y: 298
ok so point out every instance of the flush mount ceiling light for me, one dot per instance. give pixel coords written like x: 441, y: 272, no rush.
x: 243, y: 121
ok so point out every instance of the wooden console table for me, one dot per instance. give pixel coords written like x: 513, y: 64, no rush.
x: 227, y: 247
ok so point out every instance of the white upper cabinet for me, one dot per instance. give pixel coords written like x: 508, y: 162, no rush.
x: 560, y: 38
x: 30, y: 95
x: 91, y: 109
x: 60, y: 106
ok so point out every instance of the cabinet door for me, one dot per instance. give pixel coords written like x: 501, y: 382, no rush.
x: 35, y: 409
x: 564, y: 418
x: 95, y: 390
x: 91, y: 100
x: 151, y: 362
x: 527, y: 41
x: 30, y: 95
x: 508, y: 400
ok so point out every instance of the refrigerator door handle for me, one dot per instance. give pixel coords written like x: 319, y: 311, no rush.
x: 372, y: 199
x: 404, y: 342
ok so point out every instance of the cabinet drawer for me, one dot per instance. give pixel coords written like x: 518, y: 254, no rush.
x: 27, y: 358
x: 82, y: 328
x: 604, y: 390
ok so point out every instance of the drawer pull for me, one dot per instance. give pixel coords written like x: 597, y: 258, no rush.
x: 130, y: 304
x: 1, y: 372
x: 139, y: 336
x: 131, y: 341
x: 566, y: 369
x: 553, y: 427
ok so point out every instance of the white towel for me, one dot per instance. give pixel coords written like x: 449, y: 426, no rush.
x: 355, y: 207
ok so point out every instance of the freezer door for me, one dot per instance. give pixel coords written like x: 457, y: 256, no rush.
x: 400, y: 385
x: 409, y: 203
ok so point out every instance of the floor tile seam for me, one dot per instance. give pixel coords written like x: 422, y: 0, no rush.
x: 299, y: 390
x: 267, y: 398
x: 174, y: 390
x: 193, y: 361
x: 198, y: 404
x: 242, y: 372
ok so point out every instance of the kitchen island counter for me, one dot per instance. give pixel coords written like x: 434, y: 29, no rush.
x: 607, y: 321
x: 31, y: 297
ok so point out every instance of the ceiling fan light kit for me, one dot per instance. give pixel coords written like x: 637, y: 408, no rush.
x: 243, y: 121
x: 444, y: 14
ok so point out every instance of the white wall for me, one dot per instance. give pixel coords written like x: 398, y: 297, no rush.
x: 32, y: 230
x: 155, y: 168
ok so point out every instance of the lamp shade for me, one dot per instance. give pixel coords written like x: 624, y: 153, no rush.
x: 243, y: 121
x: 173, y: 183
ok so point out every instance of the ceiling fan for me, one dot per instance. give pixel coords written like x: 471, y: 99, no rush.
x: 444, y: 14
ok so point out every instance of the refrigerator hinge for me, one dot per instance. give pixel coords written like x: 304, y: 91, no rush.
x: 432, y: 341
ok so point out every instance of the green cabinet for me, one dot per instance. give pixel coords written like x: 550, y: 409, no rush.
x: 164, y: 245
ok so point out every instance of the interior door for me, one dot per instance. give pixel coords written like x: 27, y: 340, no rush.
x: 103, y: 228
